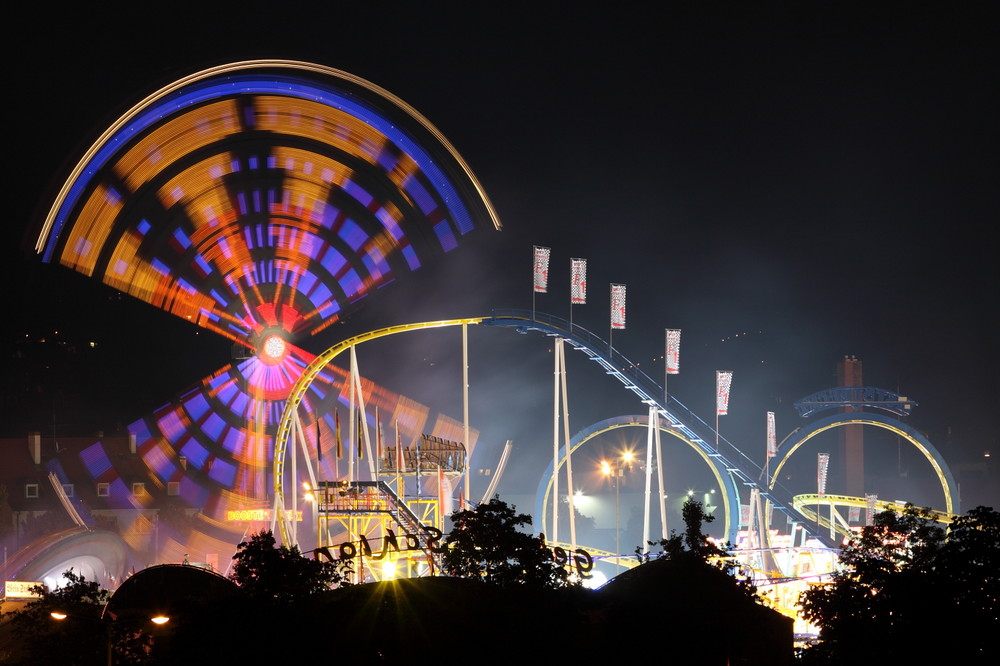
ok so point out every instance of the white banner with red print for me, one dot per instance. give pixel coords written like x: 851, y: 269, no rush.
x: 542, y: 269
x: 578, y: 281
x: 617, y: 306
x: 723, y: 381
x: 673, y: 353
x: 772, y: 436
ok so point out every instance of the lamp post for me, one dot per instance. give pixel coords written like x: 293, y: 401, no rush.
x: 616, y: 470
x: 311, y: 515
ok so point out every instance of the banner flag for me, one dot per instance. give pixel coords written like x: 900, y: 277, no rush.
x: 617, y: 306
x: 378, y: 436
x: 319, y: 441
x: 673, y: 354
x: 870, y: 509
x: 723, y: 380
x: 853, y: 514
x: 361, y: 439
x: 399, y: 450
x: 578, y: 281
x: 340, y: 442
x: 772, y: 439
x: 822, y: 464
x: 441, y: 491
x: 542, y: 269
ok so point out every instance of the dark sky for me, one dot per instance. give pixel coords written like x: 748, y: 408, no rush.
x: 787, y: 186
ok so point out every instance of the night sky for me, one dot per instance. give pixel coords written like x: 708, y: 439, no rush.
x: 787, y: 186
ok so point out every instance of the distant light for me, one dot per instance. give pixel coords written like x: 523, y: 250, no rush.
x: 596, y: 580
x: 160, y: 619
x: 58, y: 616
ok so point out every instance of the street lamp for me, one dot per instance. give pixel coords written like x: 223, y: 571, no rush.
x: 106, y: 623
x: 616, y: 470
x: 60, y: 616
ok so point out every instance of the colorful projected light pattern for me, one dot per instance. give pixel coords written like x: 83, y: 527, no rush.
x: 261, y: 200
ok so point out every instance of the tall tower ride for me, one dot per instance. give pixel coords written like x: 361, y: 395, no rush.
x: 852, y: 439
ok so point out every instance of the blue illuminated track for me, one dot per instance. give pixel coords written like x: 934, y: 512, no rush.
x: 739, y: 469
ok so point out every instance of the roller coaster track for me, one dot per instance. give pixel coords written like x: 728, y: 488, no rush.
x: 740, y: 468
x: 737, y: 467
x: 803, y: 502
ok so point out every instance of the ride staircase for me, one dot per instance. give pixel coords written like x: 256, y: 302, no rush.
x: 357, y: 498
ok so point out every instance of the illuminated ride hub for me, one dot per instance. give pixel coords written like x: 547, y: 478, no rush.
x: 261, y: 201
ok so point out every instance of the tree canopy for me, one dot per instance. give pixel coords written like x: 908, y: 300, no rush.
x: 488, y: 544
x: 268, y: 572
x: 912, y: 589
x: 696, y: 547
x: 693, y: 542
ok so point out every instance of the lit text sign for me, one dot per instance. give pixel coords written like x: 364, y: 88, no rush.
x: 261, y: 514
x: 579, y: 560
x: 21, y: 589
x: 348, y: 550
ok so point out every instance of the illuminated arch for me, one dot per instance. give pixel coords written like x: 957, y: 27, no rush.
x: 948, y: 486
x: 261, y: 200
x: 730, y: 494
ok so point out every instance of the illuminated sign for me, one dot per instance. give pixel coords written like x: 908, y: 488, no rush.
x: 261, y: 514
x: 348, y: 550
x: 579, y: 560
x: 22, y: 589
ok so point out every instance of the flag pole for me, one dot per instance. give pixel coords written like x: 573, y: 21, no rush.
x: 465, y: 407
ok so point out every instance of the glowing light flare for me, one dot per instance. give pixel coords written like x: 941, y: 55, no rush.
x: 388, y: 570
x: 274, y: 347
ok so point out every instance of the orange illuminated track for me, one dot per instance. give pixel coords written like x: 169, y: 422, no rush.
x: 811, y: 507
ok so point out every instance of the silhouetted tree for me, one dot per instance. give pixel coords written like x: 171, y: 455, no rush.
x: 912, y: 591
x: 267, y: 572
x: 487, y: 544
x: 694, y: 545
x: 80, y: 638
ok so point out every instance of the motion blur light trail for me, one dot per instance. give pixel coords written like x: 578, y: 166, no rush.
x: 260, y: 200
